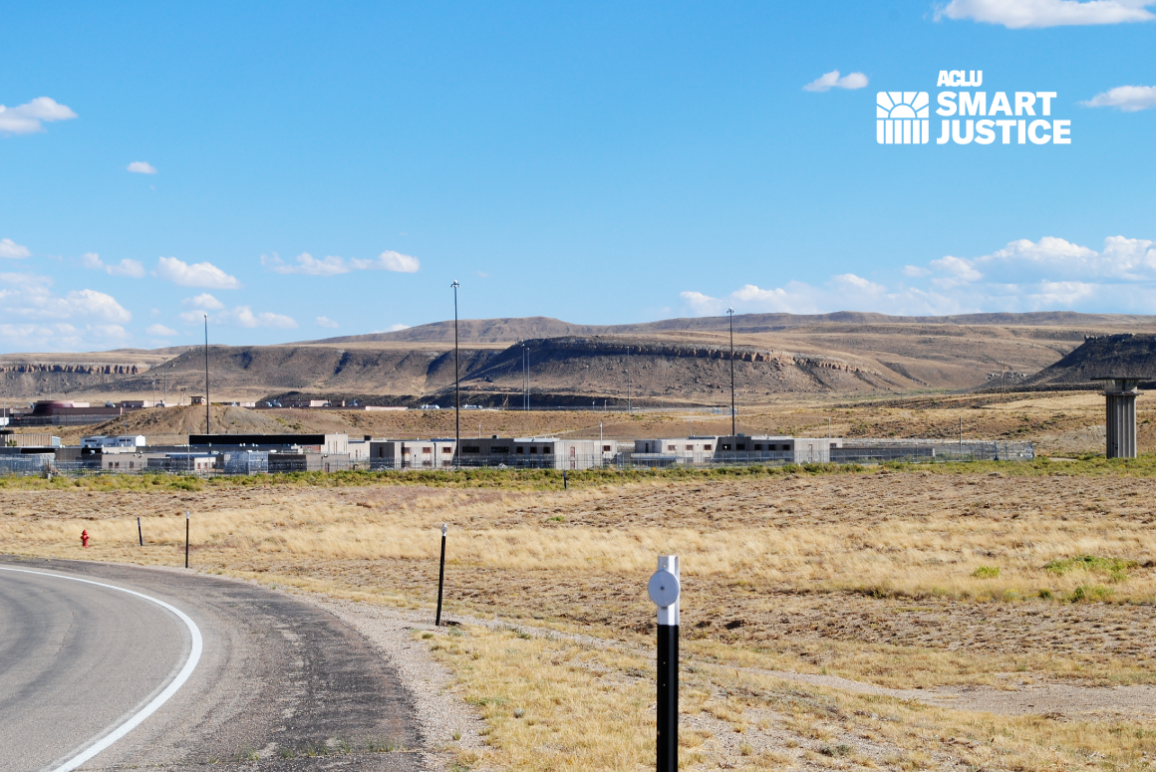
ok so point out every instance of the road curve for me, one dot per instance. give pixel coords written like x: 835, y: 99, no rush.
x: 276, y: 677
x: 81, y: 663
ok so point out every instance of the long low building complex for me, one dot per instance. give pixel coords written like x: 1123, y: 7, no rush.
x: 245, y: 454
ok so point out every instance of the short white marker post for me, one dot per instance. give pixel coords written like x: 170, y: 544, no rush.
x: 139, y: 532
x: 664, y: 589
x: 441, y: 575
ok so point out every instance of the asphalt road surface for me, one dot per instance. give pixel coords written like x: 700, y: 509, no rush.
x: 273, y: 676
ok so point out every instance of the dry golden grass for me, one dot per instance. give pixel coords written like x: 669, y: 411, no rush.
x: 870, y: 577
x: 555, y: 703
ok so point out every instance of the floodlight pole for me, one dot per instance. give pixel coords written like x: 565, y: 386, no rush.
x: 207, y: 429
x: 731, y: 315
x: 457, y: 385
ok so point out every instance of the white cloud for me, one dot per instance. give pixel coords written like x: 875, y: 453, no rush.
x: 242, y: 316
x: 958, y: 271
x: 142, y: 167
x: 846, y: 292
x: 9, y: 248
x: 61, y: 337
x: 204, y: 301
x: 29, y: 117
x: 1128, y: 99
x: 308, y: 265
x: 24, y: 297
x: 832, y: 80
x: 160, y: 331
x: 1020, y: 14
x: 125, y: 267
x: 1025, y: 275
x: 325, y: 321
x: 204, y: 275
x: 398, y: 327
x: 389, y: 261
x: 332, y: 265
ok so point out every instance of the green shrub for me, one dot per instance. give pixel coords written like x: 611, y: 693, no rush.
x: 986, y: 572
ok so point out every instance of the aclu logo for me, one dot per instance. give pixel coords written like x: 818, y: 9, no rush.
x: 980, y: 117
x: 901, y: 118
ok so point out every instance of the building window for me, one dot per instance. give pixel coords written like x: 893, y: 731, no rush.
x: 500, y: 449
x: 690, y: 447
x: 427, y: 451
x: 758, y: 447
x: 451, y: 450
x: 520, y: 449
x: 706, y: 447
x: 725, y: 446
x: 533, y: 449
x: 605, y: 448
x: 743, y: 446
x: 471, y: 449
x: 670, y: 447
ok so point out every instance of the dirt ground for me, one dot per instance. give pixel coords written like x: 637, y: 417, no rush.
x: 882, y: 619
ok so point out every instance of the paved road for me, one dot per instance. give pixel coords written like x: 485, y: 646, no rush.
x: 275, y: 676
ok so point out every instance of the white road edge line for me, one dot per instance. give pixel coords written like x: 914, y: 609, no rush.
x: 190, y: 665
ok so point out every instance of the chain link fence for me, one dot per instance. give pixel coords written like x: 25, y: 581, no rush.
x: 243, y: 463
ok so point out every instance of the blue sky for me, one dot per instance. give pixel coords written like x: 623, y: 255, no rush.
x: 298, y: 171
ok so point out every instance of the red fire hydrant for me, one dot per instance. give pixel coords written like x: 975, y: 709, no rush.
x: 84, y: 538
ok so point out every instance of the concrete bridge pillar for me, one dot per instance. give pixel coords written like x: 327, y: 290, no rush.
x: 1120, y: 416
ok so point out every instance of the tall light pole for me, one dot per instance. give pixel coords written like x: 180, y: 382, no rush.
x: 731, y: 315
x: 207, y: 430
x: 525, y: 377
x: 457, y: 385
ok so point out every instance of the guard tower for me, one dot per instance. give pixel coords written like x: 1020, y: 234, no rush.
x: 1120, y: 394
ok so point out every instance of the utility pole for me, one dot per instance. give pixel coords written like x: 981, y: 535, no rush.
x: 629, y: 384
x: 731, y: 315
x: 457, y: 385
x: 525, y: 377
x: 207, y: 429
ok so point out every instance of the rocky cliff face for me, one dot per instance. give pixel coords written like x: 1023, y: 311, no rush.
x: 1101, y: 356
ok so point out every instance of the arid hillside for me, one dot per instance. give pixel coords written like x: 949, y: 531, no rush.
x: 1101, y: 356
x: 675, y: 362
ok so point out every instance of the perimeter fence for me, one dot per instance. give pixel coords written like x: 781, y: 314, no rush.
x: 244, y: 463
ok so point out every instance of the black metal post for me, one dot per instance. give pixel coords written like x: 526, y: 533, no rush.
x: 664, y: 590
x: 457, y: 386
x: 186, y: 540
x: 667, y: 756
x: 139, y: 532
x: 441, y: 576
x: 565, y: 481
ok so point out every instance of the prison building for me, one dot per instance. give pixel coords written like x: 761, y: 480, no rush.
x: 315, y: 443
x: 678, y: 450
x: 10, y: 439
x: 536, y: 452
x: 174, y: 462
x: 128, y: 461
x: 127, y: 443
x: 790, y: 450
x: 411, y: 454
